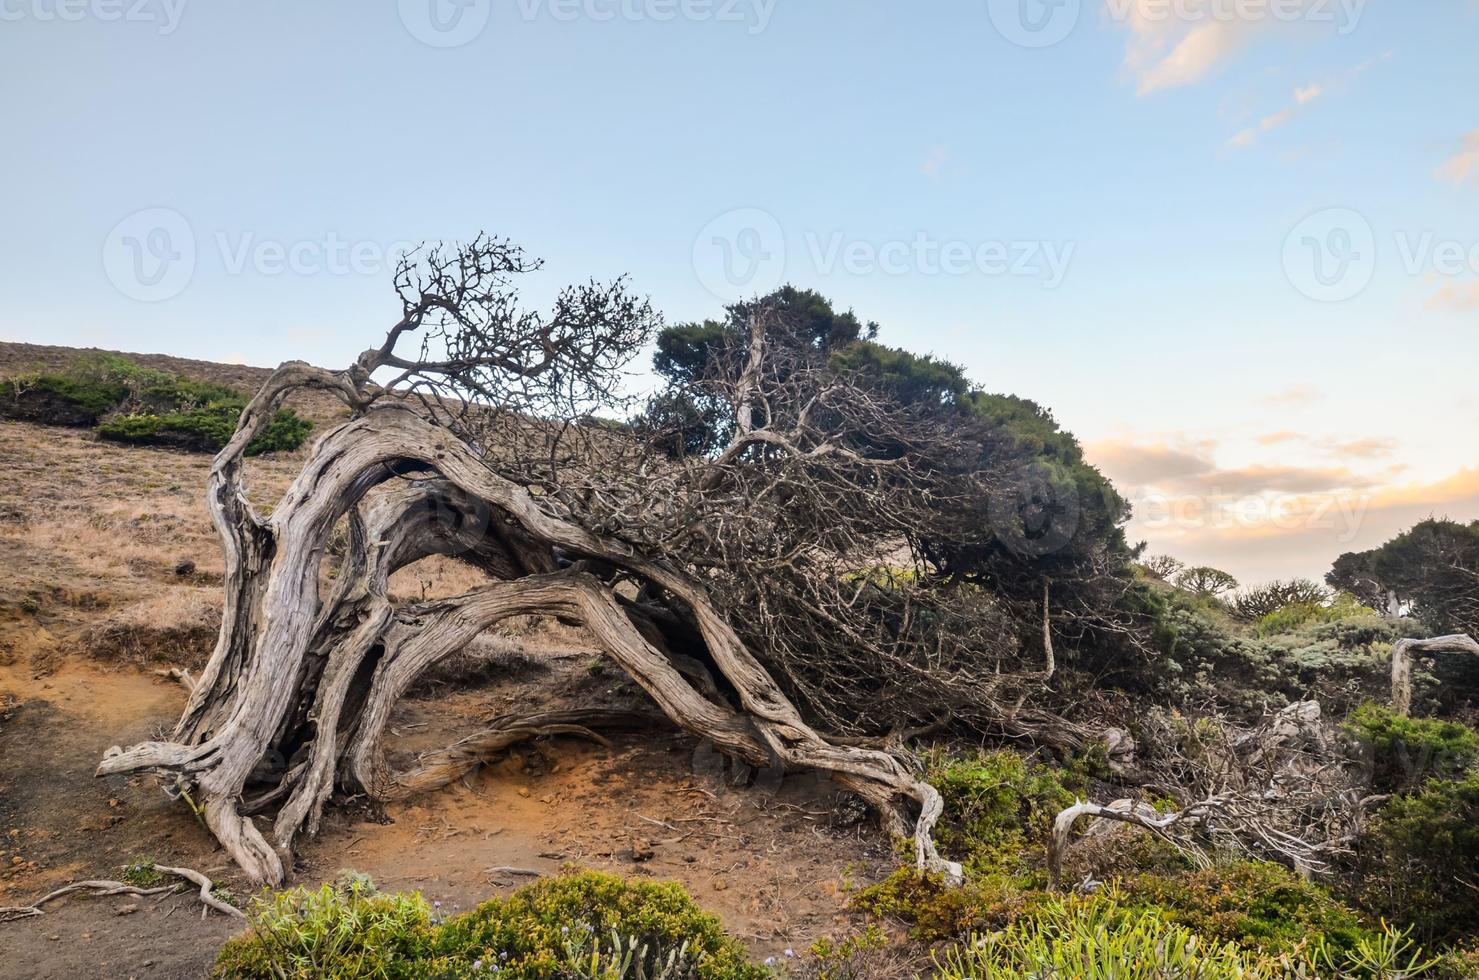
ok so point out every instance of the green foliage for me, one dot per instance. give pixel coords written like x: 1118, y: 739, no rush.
x: 206, y: 429
x: 849, y: 958
x: 1294, y: 616
x: 1263, y: 601
x: 1258, y: 906
x: 997, y: 805
x: 1433, y: 566
x: 141, y: 872
x: 338, y: 933
x: 1422, y: 858
x: 143, y: 406
x: 1111, y: 935
x: 543, y: 929
x: 586, y: 926
x: 1337, y: 654
x: 1093, y: 938
x: 1403, y: 753
x: 936, y: 911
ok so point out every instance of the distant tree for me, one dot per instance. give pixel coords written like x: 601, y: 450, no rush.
x: 1163, y: 567
x: 1353, y: 573
x: 1432, y: 568
x: 1204, y: 580
x: 1264, y: 600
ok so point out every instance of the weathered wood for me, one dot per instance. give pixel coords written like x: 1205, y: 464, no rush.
x: 1402, y: 654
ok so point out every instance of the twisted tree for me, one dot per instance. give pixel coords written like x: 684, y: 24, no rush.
x: 482, y: 443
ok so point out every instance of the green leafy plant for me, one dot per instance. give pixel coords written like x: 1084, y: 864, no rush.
x: 1097, y: 939
x: 586, y: 926
x: 998, y: 806
x: 1421, y: 860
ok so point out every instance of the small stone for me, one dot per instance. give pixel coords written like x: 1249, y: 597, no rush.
x: 126, y: 910
x: 17, y: 860
x: 524, y: 792
x: 720, y: 884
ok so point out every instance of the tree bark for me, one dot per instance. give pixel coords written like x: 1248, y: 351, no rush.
x: 1402, y: 653
x: 297, y: 695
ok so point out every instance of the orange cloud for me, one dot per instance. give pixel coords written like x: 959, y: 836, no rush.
x: 1295, y: 395
x: 1462, y: 167
x: 1461, y: 296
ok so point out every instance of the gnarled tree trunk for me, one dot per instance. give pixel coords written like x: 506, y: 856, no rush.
x: 299, y: 690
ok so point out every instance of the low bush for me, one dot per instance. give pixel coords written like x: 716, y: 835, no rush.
x: 1258, y: 906
x: 90, y: 388
x: 1102, y: 936
x: 1095, y: 938
x: 936, y: 911
x: 1402, y: 753
x: 586, y: 926
x: 998, y: 806
x: 133, y: 404
x: 1421, y: 860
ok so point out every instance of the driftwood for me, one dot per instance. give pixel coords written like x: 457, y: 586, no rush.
x: 295, y: 700
x: 1402, y: 654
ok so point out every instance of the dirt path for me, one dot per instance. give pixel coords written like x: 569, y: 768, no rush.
x: 768, y: 857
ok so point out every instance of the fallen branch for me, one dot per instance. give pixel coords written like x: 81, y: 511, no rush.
x: 1402, y: 652
x: 99, y: 888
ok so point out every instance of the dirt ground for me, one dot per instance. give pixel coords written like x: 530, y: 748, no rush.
x: 109, y: 571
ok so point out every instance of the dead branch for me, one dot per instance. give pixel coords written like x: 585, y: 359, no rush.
x: 1402, y: 656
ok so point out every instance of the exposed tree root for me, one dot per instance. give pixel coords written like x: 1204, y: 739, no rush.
x: 102, y: 887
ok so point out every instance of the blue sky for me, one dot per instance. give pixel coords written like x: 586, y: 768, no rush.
x: 1233, y: 244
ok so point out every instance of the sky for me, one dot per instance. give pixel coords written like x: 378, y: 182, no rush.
x: 1233, y: 245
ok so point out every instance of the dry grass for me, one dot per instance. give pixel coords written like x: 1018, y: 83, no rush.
x: 91, y: 534
x: 178, y: 627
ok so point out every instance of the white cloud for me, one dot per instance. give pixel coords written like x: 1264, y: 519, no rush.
x: 1179, y: 42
